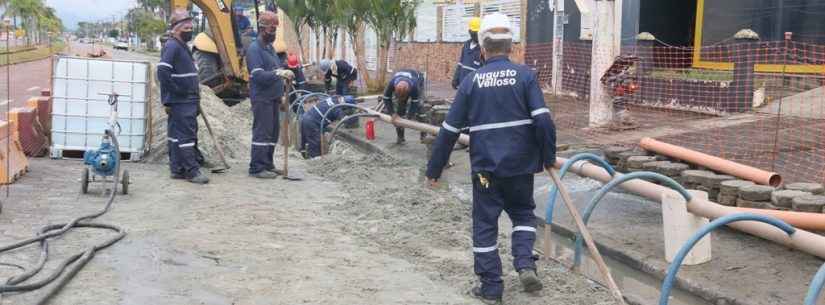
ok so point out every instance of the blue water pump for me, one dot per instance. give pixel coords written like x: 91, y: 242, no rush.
x: 103, y: 162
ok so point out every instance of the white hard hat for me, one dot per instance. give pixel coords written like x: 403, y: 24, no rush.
x: 495, y: 21
x: 325, y: 65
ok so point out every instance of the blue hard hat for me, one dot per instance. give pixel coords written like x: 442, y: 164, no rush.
x: 349, y: 99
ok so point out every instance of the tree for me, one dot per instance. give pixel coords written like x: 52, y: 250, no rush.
x: 352, y: 18
x: 146, y: 25
x: 391, y: 20
x: 299, y: 14
x: 114, y: 33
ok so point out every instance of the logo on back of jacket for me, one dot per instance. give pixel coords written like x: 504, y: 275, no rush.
x: 501, y: 78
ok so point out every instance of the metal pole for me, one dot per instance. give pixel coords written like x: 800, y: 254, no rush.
x: 8, y: 109
x: 558, y: 46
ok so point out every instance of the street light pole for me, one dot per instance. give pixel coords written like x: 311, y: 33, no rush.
x: 6, y: 27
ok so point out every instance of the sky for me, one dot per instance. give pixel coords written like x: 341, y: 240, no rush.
x: 74, y: 11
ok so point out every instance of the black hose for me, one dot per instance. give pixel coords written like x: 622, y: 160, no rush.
x: 77, y: 261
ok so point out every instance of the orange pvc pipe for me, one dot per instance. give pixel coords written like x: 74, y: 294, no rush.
x: 718, y: 164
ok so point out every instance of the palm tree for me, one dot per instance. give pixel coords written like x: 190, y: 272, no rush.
x: 392, y: 20
x: 352, y: 18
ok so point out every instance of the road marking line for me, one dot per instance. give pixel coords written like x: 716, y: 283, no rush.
x: 35, y: 88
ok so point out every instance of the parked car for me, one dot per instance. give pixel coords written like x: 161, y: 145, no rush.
x: 121, y: 45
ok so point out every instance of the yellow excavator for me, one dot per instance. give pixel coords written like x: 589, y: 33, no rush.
x: 226, y: 29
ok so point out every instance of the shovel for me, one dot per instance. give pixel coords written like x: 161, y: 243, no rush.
x: 218, y: 146
x: 285, y: 141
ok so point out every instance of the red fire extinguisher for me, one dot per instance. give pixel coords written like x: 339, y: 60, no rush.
x: 370, y: 129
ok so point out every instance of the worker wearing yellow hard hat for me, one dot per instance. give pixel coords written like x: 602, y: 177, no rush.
x: 470, y: 58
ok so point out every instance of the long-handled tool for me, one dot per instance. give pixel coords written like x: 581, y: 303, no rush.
x: 218, y: 146
x: 285, y: 141
x: 588, y: 238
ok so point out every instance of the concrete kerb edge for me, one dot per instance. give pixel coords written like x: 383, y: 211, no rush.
x: 630, y: 259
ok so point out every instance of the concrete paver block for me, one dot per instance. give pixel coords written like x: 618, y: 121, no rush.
x: 728, y: 200
x: 716, y: 180
x: 621, y: 165
x: 784, y: 198
x: 743, y: 203
x: 612, y: 152
x: 692, y: 178
x: 813, y: 188
x: 731, y: 187
x: 673, y: 169
x: 809, y: 203
x: 635, y: 163
x: 653, y: 166
x: 756, y: 192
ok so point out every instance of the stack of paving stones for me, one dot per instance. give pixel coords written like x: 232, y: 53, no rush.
x: 812, y: 201
x: 726, y: 190
x: 755, y: 196
x: 729, y: 191
x: 783, y: 199
x: 611, y: 153
x: 712, y: 184
x: 636, y: 163
x: 621, y: 164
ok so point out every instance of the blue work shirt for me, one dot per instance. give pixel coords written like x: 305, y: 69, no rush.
x: 342, y: 74
x: 511, y: 130
x: 264, y: 84
x: 413, y: 77
x: 468, y: 62
x: 316, y: 113
x: 177, y: 74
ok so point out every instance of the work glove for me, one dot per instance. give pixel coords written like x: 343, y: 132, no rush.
x: 285, y: 73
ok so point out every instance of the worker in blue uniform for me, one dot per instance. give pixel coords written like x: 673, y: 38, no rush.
x: 512, y: 137
x: 266, y: 88
x: 311, y: 122
x: 407, y: 86
x: 470, y: 58
x: 343, y: 73
x: 180, y: 95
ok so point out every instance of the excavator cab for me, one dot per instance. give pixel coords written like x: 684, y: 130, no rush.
x: 225, y: 29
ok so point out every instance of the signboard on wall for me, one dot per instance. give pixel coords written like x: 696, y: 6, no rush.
x: 426, y: 29
x: 511, y: 8
x: 454, y: 23
x: 586, y: 7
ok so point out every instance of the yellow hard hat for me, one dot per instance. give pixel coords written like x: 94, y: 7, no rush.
x: 475, y: 24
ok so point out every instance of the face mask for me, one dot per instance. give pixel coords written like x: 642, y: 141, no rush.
x: 474, y: 36
x: 186, y: 36
x: 268, y: 38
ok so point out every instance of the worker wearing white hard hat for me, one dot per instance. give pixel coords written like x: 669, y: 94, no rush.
x: 512, y: 137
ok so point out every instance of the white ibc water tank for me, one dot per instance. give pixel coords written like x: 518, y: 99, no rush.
x: 80, y: 114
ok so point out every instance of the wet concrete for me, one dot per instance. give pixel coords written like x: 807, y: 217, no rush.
x: 745, y: 269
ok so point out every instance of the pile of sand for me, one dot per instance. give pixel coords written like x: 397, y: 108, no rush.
x: 232, y: 127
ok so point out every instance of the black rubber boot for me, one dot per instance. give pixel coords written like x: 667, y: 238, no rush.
x: 399, y: 132
x: 529, y: 280
x: 476, y: 293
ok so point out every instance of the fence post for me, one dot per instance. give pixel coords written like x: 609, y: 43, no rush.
x: 644, y: 50
x: 744, y: 60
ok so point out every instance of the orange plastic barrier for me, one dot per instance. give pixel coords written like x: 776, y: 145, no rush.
x: 13, y: 162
